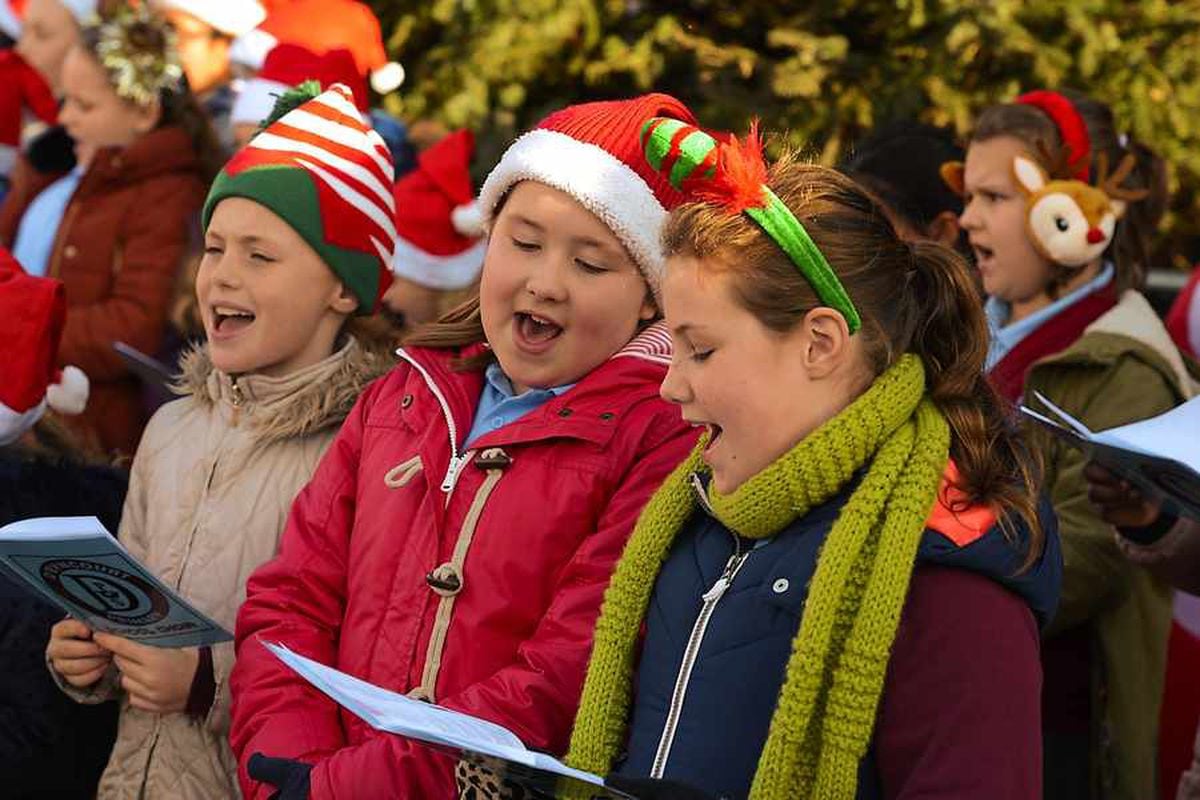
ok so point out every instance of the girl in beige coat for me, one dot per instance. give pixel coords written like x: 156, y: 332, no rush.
x: 217, y: 470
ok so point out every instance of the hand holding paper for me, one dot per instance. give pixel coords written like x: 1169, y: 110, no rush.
x: 1160, y: 455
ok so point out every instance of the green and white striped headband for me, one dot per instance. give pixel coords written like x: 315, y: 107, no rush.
x: 734, y: 176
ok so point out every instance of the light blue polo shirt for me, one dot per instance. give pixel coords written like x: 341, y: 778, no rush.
x: 498, y: 405
x: 40, y: 223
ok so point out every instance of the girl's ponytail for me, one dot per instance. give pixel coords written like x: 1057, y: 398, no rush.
x: 950, y: 334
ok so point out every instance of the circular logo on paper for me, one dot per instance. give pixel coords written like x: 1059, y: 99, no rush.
x: 109, y: 592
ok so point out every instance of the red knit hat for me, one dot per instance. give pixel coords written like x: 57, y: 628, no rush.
x: 21, y: 87
x: 289, y: 65
x: 321, y: 25
x: 592, y: 151
x: 439, y: 233
x: 32, y: 313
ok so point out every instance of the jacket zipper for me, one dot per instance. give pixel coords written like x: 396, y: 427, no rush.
x: 690, y: 652
x: 457, y: 460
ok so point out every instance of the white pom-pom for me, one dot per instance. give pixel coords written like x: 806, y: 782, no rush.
x: 467, y: 219
x: 387, y: 78
x: 70, y: 394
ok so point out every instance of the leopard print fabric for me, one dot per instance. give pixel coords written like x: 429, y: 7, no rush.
x: 480, y: 783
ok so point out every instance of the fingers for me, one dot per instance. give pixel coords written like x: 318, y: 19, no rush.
x: 75, y: 648
x: 130, y: 651
x: 86, y: 679
x: 69, y: 667
x: 1098, y: 474
x: 70, y: 628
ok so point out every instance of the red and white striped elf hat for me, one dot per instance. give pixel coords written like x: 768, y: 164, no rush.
x: 322, y: 169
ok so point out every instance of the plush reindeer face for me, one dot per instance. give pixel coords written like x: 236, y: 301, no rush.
x: 1072, y: 222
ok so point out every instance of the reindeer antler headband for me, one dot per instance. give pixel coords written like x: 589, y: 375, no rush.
x: 138, y: 52
x: 733, y: 175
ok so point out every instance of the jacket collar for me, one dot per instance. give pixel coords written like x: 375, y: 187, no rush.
x: 590, y: 410
x: 1130, y: 326
x: 161, y: 151
x: 301, y: 403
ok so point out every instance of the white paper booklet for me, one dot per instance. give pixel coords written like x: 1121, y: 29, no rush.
x: 473, y: 739
x: 1160, y: 455
x: 77, y: 565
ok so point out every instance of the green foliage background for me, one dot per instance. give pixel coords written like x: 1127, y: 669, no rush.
x: 825, y: 71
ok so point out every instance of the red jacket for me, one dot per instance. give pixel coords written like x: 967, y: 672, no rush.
x: 118, y: 251
x: 365, y: 581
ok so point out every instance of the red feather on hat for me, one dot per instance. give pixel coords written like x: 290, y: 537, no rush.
x: 740, y: 176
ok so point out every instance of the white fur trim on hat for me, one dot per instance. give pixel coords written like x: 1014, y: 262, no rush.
x: 387, y: 78
x: 438, y: 272
x: 231, y: 17
x: 81, y: 10
x: 255, y: 101
x: 251, y: 48
x: 70, y: 394
x: 601, y: 182
x: 467, y: 219
x: 12, y: 424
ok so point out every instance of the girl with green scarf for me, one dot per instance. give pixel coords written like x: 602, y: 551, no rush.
x: 838, y: 594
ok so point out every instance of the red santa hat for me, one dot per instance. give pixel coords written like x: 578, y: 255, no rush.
x: 230, y: 17
x: 21, y: 88
x: 439, y: 230
x: 32, y: 313
x: 322, y: 25
x: 593, y: 152
x: 289, y: 65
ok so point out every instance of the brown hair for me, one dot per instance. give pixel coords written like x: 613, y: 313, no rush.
x: 1132, y: 242
x: 913, y: 297
x: 179, y: 106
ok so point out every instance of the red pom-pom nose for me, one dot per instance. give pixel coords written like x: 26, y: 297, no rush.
x: 1095, y: 236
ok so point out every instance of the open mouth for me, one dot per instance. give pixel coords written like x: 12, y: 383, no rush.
x: 714, y: 435
x: 982, y: 253
x: 228, y: 320
x: 536, y: 330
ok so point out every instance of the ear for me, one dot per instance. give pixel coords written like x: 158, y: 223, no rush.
x: 952, y: 174
x: 944, y: 229
x: 1118, y: 207
x: 1029, y: 175
x: 649, y: 309
x: 344, y: 302
x: 827, y: 342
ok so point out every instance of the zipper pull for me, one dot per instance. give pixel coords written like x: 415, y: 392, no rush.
x: 726, y: 580
x: 236, y: 399
x: 452, y: 472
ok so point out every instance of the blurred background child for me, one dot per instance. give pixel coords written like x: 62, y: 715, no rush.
x: 116, y: 228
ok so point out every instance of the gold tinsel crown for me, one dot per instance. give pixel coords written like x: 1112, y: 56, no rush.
x: 137, y: 49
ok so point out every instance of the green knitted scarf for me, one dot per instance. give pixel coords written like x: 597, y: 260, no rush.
x: 825, y: 715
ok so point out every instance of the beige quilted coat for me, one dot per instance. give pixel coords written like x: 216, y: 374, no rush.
x: 212, y: 483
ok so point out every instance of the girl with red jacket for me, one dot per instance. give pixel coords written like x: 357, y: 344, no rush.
x: 115, y: 229
x: 456, y: 539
